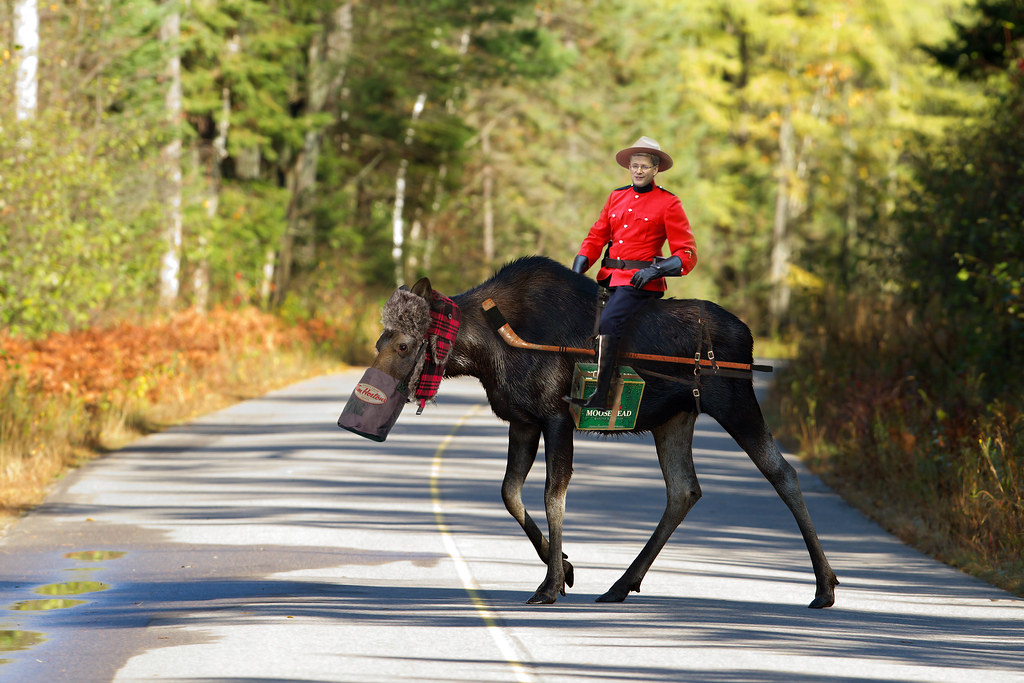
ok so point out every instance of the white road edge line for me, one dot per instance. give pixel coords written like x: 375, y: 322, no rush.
x: 487, y: 615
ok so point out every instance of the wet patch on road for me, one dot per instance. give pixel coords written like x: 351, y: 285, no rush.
x: 95, y: 555
x: 13, y: 640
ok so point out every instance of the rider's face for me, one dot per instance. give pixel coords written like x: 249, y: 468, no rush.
x: 641, y: 171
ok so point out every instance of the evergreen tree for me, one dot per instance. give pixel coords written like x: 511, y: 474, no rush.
x: 987, y: 45
x: 962, y: 238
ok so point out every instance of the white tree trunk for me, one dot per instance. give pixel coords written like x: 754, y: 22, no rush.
x: 170, y: 264
x: 26, y: 37
x: 268, y: 277
x: 397, y: 225
x: 397, y: 228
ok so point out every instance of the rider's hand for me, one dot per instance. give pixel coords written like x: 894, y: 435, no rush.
x: 580, y: 264
x: 645, y: 275
x: 673, y: 265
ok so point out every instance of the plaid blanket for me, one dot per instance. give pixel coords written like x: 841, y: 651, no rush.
x: 444, y: 325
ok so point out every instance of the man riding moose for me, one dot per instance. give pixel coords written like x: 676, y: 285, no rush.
x: 427, y: 335
x: 634, y: 225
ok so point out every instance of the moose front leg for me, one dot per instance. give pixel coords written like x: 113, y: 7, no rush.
x: 523, y: 441
x: 558, y: 464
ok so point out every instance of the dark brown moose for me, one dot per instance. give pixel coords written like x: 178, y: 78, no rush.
x: 546, y: 303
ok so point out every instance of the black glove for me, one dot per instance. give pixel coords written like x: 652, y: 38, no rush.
x: 580, y: 264
x: 673, y: 265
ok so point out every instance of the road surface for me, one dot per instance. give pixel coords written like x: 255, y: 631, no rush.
x: 262, y: 543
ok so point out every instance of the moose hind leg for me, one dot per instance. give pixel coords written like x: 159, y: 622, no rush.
x: 755, y: 438
x: 523, y: 441
x: 674, y: 442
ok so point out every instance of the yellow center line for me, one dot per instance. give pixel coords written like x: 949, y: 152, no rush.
x: 491, y: 620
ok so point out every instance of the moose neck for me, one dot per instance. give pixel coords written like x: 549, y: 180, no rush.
x: 545, y: 302
x: 469, y: 351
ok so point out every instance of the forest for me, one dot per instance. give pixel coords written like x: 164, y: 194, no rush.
x: 853, y: 172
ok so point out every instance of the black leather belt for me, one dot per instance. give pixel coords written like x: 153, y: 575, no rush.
x: 624, y: 265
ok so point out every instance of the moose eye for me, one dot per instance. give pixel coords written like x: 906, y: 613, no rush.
x: 403, y: 347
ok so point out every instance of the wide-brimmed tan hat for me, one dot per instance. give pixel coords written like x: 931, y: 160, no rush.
x: 644, y: 145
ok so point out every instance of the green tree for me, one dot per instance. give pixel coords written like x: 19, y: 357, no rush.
x: 789, y: 126
x: 807, y: 110
x: 987, y: 42
x: 962, y: 235
x: 416, y: 68
x: 245, y: 80
x: 77, y: 210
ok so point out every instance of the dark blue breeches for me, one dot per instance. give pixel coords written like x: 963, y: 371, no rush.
x: 622, y: 305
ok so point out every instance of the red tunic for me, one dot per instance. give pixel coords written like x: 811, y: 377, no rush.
x: 638, y: 223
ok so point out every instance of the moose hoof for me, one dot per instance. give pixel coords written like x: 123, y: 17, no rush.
x: 823, y: 601
x: 618, y: 593
x: 612, y: 596
x: 825, y: 596
x: 567, y: 569
x: 547, y: 592
x: 542, y: 598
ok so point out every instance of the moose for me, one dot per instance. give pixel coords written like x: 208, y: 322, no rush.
x: 545, y: 302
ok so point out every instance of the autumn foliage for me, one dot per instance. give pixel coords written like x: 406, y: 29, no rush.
x: 71, y: 395
x: 93, y: 363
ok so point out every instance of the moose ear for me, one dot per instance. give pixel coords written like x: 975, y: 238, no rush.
x: 423, y: 289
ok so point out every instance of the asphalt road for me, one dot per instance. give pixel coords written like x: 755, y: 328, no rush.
x: 262, y: 543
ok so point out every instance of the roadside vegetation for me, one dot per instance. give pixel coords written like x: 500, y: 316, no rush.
x: 71, y: 397
x: 921, y: 447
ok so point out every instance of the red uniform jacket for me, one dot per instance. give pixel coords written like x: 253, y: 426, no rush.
x: 637, y: 223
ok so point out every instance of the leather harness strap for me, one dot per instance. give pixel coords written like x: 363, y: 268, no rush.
x: 500, y: 325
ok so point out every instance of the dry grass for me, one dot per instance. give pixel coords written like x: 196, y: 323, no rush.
x: 918, y: 449
x: 73, y: 397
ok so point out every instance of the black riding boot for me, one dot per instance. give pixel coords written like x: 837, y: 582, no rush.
x: 607, y: 349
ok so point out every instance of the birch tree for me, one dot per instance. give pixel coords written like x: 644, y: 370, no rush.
x: 26, y: 36
x: 171, y: 183
x: 397, y: 221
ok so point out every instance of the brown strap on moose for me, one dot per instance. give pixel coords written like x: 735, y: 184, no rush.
x: 500, y: 325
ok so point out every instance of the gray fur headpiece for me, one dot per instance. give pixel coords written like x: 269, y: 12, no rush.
x: 407, y: 313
